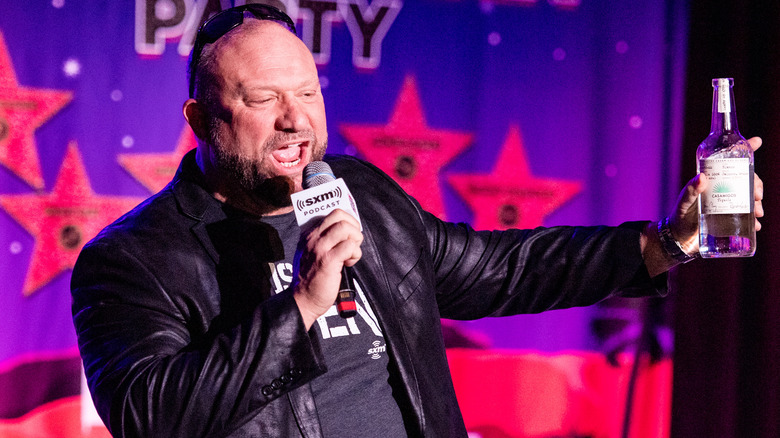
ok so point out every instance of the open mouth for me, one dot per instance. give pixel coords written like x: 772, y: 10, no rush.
x: 289, y: 156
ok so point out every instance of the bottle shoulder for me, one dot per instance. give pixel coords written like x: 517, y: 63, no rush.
x: 725, y: 145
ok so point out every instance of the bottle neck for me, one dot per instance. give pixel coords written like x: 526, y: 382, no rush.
x: 724, y: 115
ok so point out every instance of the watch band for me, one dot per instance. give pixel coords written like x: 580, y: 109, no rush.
x: 670, y: 245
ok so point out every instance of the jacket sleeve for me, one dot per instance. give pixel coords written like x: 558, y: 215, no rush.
x: 492, y: 273
x: 149, y: 377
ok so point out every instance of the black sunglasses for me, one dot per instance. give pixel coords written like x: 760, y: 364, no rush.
x: 220, y: 24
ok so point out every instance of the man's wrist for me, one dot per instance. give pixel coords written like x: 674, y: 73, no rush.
x: 671, y: 246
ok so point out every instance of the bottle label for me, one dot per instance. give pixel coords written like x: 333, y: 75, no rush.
x: 729, y: 188
x: 724, y: 100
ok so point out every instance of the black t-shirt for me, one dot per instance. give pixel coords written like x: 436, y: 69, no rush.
x: 354, y: 397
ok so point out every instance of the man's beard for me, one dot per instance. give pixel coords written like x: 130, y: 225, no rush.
x: 274, y: 190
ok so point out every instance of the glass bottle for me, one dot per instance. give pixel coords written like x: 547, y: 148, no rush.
x: 726, y: 216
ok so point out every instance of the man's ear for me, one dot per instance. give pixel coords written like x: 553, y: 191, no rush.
x: 195, y: 114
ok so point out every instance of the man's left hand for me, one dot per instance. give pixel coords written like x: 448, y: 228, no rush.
x: 684, y: 223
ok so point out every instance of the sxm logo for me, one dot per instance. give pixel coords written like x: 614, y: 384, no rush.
x: 312, y: 205
x: 159, y: 21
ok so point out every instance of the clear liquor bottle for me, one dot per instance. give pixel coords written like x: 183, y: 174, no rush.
x: 726, y: 216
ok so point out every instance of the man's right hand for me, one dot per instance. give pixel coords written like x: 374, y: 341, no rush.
x: 328, y: 247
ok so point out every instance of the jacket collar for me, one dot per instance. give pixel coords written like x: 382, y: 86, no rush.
x: 190, y: 191
x: 195, y: 201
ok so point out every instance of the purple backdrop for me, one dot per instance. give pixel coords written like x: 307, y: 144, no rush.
x: 592, y: 87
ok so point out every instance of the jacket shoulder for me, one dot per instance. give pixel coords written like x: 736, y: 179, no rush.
x: 153, y: 216
x: 366, y: 180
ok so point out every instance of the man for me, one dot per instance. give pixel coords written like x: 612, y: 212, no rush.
x: 194, y: 319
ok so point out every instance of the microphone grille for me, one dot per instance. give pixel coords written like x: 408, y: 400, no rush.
x: 316, y: 173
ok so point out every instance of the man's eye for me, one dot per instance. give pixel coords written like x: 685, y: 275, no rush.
x: 259, y: 100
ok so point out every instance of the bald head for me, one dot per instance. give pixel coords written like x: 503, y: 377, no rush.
x: 252, y: 37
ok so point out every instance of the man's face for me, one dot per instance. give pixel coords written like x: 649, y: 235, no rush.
x: 268, y: 121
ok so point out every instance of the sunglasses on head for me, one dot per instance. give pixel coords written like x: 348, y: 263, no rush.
x: 220, y: 24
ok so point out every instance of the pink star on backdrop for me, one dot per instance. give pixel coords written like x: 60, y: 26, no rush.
x: 22, y: 111
x: 408, y: 150
x: 64, y: 220
x: 510, y: 196
x: 155, y: 170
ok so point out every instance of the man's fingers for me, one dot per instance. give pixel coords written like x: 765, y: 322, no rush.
x: 333, y: 231
x: 338, y: 215
x: 755, y: 142
x: 335, y: 241
x: 690, y: 194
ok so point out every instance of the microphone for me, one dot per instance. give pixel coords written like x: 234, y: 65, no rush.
x: 315, y: 174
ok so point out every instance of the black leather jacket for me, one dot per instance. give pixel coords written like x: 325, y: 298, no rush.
x: 180, y: 338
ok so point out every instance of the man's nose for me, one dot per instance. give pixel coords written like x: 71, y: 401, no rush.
x: 291, y: 117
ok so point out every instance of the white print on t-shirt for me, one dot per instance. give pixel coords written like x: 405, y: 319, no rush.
x: 378, y: 347
x: 281, y: 277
